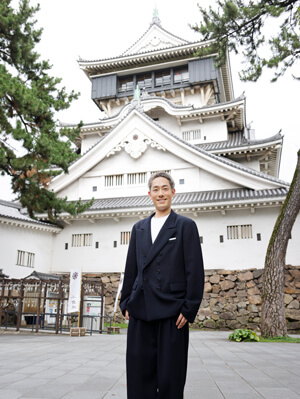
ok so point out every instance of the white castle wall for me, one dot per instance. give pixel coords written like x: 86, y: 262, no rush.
x: 231, y: 254
x: 14, y: 238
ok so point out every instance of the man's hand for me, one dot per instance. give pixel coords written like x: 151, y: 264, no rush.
x: 126, y: 315
x: 181, y: 321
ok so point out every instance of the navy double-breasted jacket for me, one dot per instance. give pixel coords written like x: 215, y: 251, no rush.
x: 165, y: 278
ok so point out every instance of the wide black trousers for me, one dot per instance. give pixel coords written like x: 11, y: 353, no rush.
x: 156, y: 359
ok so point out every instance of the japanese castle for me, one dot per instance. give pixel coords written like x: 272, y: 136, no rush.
x: 165, y: 109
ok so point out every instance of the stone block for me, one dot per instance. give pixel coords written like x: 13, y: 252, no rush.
x: 226, y: 285
x: 230, y: 294
x: 257, y: 273
x: 231, y: 277
x: 243, y: 312
x: 209, y: 324
x: 204, y: 303
x: 227, y: 272
x: 215, y: 289
x: 253, y: 291
x: 241, y: 293
x: 293, y: 325
x: 230, y: 307
x: 233, y: 324
x: 294, y: 304
x: 242, y: 305
x: 205, y: 312
x: 291, y: 290
x: 254, y: 299
x: 243, y: 320
x: 292, y: 314
x: 207, y: 287
x: 288, y: 298
x: 245, y: 276
x: 213, y: 301
x: 295, y: 273
x: 253, y: 308
x: 227, y: 316
x: 214, y: 279
x: 241, y: 285
x: 250, y: 284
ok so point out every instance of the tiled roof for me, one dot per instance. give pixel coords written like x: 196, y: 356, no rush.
x: 197, y: 198
x: 201, y: 150
x: 12, y: 210
x: 237, y: 139
x: 160, y: 27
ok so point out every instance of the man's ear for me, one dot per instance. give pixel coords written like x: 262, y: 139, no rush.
x: 149, y: 194
x: 173, y: 192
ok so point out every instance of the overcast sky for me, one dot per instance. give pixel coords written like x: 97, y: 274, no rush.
x: 96, y: 29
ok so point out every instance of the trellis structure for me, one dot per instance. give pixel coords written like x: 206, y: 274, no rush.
x: 40, y: 301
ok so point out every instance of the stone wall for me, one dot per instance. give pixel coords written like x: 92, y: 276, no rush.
x: 232, y: 299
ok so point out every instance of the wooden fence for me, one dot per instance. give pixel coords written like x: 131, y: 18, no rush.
x: 41, y: 303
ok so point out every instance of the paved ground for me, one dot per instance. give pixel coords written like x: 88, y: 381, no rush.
x: 93, y: 367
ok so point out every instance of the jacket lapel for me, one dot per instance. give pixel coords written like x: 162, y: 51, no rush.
x: 145, y: 240
x: 163, y: 236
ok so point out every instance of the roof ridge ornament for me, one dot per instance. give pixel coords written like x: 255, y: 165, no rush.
x: 155, y: 18
x: 136, y: 101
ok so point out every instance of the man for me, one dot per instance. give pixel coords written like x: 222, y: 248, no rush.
x: 162, y: 291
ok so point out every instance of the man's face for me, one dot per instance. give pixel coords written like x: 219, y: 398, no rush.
x: 161, y: 194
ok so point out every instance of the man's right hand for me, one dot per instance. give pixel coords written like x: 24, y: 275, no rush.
x: 126, y: 315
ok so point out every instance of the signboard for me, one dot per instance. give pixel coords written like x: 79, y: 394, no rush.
x: 74, y: 291
x: 118, y: 293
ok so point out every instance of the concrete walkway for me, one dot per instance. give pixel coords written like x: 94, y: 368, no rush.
x: 93, y: 367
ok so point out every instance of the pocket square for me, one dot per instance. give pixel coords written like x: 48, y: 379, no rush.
x: 173, y: 238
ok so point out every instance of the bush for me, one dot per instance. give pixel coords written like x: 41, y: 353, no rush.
x: 243, y: 335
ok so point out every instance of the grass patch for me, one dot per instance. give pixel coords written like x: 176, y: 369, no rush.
x: 121, y: 325
x: 280, y: 339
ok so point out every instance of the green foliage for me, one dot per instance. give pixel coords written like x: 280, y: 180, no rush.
x: 29, y: 100
x: 279, y: 339
x: 243, y: 335
x: 238, y: 25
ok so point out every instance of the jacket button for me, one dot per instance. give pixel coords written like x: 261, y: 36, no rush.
x: 157, y: 270
x: 158, y: 278
x: 144, y: 279
x: 158, y: 287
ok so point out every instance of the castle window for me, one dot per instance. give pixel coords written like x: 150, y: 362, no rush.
x: 94, y: 188
x: 163, y: 78
x: 186, y: 135
x: 136, y: 178
x: 113, y: 180
x: 125, y: 84
x: 82, y: 240
x: 144, y: 81
x: 191, y: 135
x: 181, y: 75
x: 243, y: 231
x: 258, y: 235
x: 25, y: 258
x: 125, y: 237
x: 181, y: 181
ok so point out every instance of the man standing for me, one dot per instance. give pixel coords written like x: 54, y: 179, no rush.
x: 162, y: 292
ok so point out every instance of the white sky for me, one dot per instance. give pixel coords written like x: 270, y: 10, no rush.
x: 96, y: 29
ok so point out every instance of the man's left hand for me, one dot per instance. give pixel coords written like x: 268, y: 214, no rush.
x: 181, y: 321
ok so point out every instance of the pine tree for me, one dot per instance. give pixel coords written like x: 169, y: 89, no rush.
x: 29, y: 101
x: 238, y: 25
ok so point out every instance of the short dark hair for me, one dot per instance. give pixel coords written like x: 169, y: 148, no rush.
x: 161, y: 174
